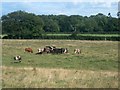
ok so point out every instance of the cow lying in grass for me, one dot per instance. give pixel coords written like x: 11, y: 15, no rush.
x: 17, y: 59
x: 78, y: 51
x: 40, y: 51
x: 60, y: 50
x: 47, y: 49
x: 52, y: 50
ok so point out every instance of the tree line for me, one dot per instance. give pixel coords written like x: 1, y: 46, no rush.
x: 23, y: 24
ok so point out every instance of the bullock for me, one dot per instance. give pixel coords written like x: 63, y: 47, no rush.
x: 78, y: 51
x: 29, y: 50
x: 17, y: 58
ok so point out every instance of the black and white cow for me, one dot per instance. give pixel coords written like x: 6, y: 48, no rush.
x: 40, y: 51
x: 49, y: 49
x: 60, y: 50
x: 53, y: 50
x: 17, y: 58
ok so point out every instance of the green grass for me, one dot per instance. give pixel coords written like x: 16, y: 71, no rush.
x: 95, y: 55
x: 58, y: 34
x: 103, y: 35
x: 96, y: 66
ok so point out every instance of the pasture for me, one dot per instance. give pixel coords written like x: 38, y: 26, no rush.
x: 96, y: 66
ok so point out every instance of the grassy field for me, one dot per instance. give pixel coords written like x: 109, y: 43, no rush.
x: 96, y: 66
x: 101, y: 35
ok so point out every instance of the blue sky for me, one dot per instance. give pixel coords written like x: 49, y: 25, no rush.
x: 68, y: 8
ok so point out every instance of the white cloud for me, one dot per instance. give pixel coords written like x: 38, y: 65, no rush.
x: 107, y: 3
x: 119, y: 6
x: 81, y: 7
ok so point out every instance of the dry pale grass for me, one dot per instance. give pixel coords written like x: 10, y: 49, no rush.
x: 43, y: 77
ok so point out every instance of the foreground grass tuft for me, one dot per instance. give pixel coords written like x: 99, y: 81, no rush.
x: 30, y: 77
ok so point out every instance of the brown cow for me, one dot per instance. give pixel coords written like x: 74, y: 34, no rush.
x: 29, y: 50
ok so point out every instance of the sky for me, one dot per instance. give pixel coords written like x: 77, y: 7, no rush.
x: 65, y: 7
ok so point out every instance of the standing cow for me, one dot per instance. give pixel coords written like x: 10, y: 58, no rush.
x: 29, y: 50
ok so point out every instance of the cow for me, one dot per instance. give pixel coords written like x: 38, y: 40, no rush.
x: 65, y: 50
x: 29, y: 50
x: 40, y: 51
x: 17, y: 58
x: 49, y: 49
x: 60, y: 50
x: 78, y: 51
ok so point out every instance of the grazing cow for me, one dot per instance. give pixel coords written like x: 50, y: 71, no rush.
x: 78, y: 51
x: 29, y: 50
x: 17, y: 58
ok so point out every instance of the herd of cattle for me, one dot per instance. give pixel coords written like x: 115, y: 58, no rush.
x: 47, y: 49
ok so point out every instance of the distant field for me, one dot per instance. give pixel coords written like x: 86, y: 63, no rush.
x: 107, y: 35
x: 50, y: 36
x: 1, y: 36
x: 96, y: 66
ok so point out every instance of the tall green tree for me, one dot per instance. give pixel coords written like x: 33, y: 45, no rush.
x: 22, y: 24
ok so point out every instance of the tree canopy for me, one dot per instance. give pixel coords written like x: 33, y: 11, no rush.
x: 23, y: 24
